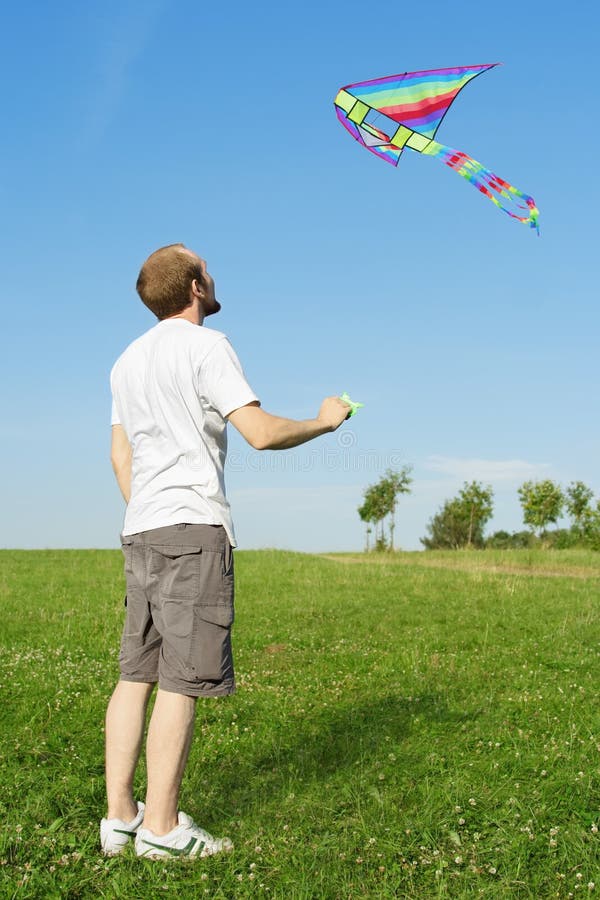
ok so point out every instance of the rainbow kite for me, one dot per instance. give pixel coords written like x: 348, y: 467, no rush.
x: 386, y: 115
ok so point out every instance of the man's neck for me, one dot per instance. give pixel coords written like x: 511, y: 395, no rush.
x: 193, y: 316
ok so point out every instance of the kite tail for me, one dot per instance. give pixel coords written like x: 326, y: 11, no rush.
x: 523, y: 206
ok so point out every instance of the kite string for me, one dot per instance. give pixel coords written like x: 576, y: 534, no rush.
x: 487, y: 183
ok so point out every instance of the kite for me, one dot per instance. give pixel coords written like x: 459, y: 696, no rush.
x: 352, y: 404
x: 386, y: 115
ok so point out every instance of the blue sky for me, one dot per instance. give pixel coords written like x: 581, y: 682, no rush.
x: 472, y: 342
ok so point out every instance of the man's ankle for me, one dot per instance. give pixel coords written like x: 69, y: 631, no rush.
x: 126, y: 812
x: 160, y: 827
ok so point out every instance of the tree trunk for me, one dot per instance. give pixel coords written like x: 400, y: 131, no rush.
x: 470, y: 538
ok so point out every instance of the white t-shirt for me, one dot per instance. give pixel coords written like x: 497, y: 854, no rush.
x: 171, y: 391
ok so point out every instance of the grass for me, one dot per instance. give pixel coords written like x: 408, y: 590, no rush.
x: 406, y: 725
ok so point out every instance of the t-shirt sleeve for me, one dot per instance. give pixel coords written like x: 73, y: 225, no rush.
x: 222, y: 379
x: 114, y: 415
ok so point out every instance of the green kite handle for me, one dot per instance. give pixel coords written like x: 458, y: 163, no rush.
x: 351, y: 403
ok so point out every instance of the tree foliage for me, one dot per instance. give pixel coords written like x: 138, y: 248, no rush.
x: 506, y: 540
x: 585, y: 517
x: 461, y: 521
x: 579, y: 505
x: 379, y: 504
x: 542, y: 503
x: 578, y: 502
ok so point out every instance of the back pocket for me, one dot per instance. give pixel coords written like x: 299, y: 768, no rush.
x: 178, y: 570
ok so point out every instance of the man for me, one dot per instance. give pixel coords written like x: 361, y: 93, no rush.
x: 174, y: 390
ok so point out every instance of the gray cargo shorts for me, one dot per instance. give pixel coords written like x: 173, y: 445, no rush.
x: 179, y: 604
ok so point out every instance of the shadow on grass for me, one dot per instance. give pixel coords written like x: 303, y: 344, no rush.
x: 331, y: 743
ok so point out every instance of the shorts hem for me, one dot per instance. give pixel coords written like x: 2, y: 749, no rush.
x: 195, y: 690
x: 139, y: 679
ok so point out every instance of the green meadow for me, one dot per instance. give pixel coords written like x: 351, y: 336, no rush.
x: 413, y: 725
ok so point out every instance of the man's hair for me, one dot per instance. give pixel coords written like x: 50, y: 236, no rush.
x: 165, y: 280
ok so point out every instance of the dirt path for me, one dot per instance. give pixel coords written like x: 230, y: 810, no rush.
x: 462, y: 566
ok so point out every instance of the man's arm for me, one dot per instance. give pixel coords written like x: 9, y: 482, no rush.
x: 120, y: 456
x: 266, y: 432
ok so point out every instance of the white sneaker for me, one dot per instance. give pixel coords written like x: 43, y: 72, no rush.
x: 115, y: 834
x: 186, y: 839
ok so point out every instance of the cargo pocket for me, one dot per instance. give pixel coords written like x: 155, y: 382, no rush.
x: 211, y: 658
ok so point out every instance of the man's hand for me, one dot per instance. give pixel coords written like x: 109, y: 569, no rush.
x: 333, y: 412
x: 266, y: 432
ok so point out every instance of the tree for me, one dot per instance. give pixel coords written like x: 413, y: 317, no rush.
x: 461, y: 521
x: 447, y: 529
x: 592, y: 533
x: 392, y: 484
x: 584, y: 516
x: 578, y: 499
x: 367, y: 513
x: 477, y: 502
x: 372, y: 512
x: 542, y: 503
x: 380, y: 501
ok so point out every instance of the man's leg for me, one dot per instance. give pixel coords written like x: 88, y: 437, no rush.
x: 169, y: 738
x: 125, y: 720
